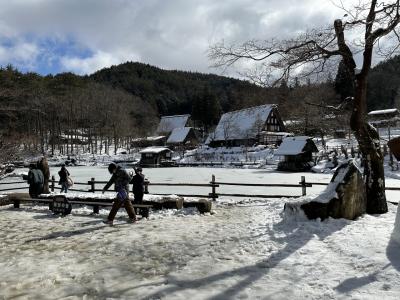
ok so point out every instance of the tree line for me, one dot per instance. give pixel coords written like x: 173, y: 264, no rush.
x: 66, y: 113
x: 116, y: 104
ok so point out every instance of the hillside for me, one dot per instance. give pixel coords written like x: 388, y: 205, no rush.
x: 384, y: 85
x: 173, y: 92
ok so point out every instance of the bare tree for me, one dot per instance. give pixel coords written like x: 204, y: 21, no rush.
x: 229, y: 128
x: 311, y: 52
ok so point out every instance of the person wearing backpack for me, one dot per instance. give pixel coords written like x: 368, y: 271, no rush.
x: 120, y: 178
x: 35, y: 180
x: 64, y: 174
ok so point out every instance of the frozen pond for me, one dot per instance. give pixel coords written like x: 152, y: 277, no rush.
x: 202, y: 175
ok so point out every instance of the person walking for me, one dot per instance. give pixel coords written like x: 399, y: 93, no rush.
x: 35, y: 180
x: 64, y: 174
x: 120, y: 178
x: 138, y: 186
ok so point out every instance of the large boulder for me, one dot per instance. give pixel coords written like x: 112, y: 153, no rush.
x: 345, y: 196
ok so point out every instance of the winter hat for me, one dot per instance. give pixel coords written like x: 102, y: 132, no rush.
x: 112, y: 167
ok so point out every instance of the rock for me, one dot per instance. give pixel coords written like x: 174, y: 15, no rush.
x: 345, y: 196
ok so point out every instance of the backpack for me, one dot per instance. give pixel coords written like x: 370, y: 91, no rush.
x: 70, y: 181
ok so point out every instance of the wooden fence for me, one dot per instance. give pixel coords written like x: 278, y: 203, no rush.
x: 213, y: 184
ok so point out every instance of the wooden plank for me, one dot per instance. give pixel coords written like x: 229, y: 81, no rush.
x: 34, y: 200
x: 259, y: 196
x: 181, y: 184
x: 91, y: 203
x: 13, y: 189
x: 260, y: 184
x: 392, y: 188
x: 14, y: 182
x: 107, y: 204
x: 183, y: 195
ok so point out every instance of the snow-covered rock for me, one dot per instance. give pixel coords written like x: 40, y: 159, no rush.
x: 344, y: 197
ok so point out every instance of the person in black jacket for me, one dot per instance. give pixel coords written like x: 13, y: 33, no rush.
x: 64, y: 174
x: 138, y: 186
x: 120, y: 178
x: 35, y: 180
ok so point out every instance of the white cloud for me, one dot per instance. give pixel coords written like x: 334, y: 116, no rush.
x: 173, y: 34
x: 92, y: 63
x: 22, y: 54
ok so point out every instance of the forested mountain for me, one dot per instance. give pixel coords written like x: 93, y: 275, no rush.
x: 173, y: 92
x: 384, y: 85
x: 118, y: 103
x: 111, y: 106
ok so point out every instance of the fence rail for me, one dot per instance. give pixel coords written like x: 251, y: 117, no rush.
x: 213, y: 184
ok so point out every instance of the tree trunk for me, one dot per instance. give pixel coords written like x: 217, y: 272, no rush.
x: 369, y: 145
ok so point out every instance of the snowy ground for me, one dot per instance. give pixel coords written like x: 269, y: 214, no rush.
x: 243, y: 251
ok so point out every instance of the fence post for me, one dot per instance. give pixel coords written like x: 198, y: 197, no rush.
x: 52, y: 183
x: 92, y: 185
x: 303, y: 185
x: 213, y: 191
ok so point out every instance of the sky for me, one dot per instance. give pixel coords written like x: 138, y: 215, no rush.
x: 82, y: 36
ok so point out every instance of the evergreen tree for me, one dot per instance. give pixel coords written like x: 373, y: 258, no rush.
x: 206, y: 109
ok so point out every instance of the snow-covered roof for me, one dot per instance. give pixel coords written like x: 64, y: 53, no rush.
x: 178, y: 135
x: 384, y: 121
x: 155, y: 149
x: 149, y: 138
x: 280, y: 133
x: 169, y: 123
x: 241, y: 124
x: 383, y: 111
x: 292, y: 145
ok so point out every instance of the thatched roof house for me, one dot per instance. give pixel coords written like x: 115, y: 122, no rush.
x: 259, y: 124
x: 183, y: 136
x: 169, y: 123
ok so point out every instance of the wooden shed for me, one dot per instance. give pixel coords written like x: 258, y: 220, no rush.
x: 155, y: 157
x: 297, y: 153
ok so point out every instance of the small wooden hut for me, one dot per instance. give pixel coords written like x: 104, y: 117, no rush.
x: 154, y: 157
x: 297, y: 153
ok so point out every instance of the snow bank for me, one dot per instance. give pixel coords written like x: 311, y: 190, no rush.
x: 396, y: 230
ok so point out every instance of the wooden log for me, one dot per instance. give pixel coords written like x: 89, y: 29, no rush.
x: 167, y: 203
x: 203, y: 205
x: 5, y: 201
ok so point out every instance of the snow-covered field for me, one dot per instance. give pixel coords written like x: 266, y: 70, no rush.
x: 245, y: 250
